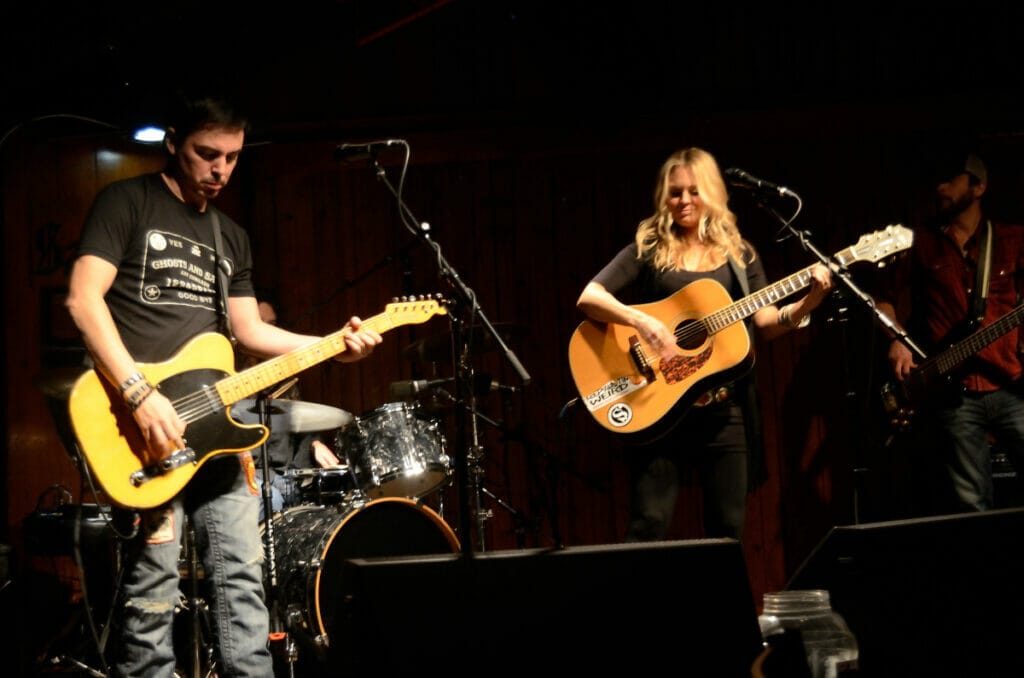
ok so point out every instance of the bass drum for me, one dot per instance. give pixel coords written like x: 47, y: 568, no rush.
x: 313, y: 542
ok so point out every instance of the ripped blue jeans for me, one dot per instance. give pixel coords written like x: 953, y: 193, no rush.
x: 222, y: 503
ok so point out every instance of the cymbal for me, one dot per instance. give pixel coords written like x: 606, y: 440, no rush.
x: 438, y: 348
x: 57, y: 383
x: 295, y: 416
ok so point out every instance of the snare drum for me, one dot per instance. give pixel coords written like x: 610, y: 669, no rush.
x: 396, y: 451
x: 322, y: 486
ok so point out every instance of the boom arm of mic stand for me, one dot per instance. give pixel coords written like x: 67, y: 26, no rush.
x: 421, y: 230
x: 841, y: 273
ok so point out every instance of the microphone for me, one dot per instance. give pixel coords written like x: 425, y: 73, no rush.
x: 738, y: 177
x: 409, y: 388
x: 363, y: 151
x: 494, y: 385
x: 484, y: 384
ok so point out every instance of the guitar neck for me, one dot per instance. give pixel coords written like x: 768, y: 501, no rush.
x: 751, y: 304
x: 254, y: 379
x: 952, y: 357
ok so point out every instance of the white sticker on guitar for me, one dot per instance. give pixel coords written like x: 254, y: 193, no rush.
x: 620, y: 414
x: 613, y: 390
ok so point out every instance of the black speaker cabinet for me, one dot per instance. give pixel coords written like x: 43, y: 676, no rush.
x: 681, y: 604
x: 937, y: 596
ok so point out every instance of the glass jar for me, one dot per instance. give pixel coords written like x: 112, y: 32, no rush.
x: 830, y: 647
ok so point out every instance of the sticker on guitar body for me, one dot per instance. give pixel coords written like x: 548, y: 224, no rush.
x: 613, y: 390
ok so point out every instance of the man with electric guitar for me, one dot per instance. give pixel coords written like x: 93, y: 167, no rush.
x: 160, y: 271
x: 691, y: 240
x: 959, y: 293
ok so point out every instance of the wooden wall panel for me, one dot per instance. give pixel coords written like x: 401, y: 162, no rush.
x: 46, y: 195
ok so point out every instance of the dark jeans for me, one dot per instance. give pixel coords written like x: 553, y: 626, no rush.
x: 965, y: 436
x: 711, y: 441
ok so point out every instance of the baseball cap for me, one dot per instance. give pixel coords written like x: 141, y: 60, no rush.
x: 974, y: 165
x: 950, y: 165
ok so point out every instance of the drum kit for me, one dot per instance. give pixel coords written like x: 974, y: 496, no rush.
x: 394, y: 458
x: 370, y: 506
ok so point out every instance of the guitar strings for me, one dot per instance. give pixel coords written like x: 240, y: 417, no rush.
x: 195, y: 405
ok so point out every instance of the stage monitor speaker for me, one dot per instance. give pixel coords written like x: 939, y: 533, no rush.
x: 684, y: 604
x: 938, y: 596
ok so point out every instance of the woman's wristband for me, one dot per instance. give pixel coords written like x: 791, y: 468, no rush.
x: 786, y: 318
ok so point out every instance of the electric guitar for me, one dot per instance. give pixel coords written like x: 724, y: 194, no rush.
x: 628, y: 389
x: 932, y: 381
x: 201, y: 384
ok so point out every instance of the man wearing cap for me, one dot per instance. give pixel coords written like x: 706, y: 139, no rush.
x: 940, y: 289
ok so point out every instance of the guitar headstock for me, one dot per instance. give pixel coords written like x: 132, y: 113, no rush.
x: 416, y: 309
x: 881, y: 244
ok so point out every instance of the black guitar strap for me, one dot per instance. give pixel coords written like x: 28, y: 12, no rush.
x: 222, y: 277
x: 983, y: 274
x: 741, y: 275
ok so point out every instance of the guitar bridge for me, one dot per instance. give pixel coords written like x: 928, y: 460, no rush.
x: 636, y: 351
x: 177, y: 459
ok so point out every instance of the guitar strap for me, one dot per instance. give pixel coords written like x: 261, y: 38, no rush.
x: 983, y: 274
x: 741, y: 275
x: 222, y: 278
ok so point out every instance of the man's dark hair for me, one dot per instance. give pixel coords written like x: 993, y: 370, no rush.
x: 192, y: 111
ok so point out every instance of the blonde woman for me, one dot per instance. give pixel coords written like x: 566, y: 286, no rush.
x: 693, y: 235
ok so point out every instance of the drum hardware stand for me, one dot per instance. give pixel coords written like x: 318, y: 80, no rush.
x: 474, y: 467
x: 474, y: 457
x: 198, y: 610
x: 278, y: 632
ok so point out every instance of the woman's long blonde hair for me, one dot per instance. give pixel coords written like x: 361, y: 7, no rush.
x: 717, y: 225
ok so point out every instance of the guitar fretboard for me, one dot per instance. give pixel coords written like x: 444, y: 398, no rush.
x: 951, y: 358
x: 751, y: 304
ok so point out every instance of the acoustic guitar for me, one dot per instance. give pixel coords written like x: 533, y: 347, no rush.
x: 629, y: 390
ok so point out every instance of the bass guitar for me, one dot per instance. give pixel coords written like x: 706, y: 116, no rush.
x: 201, y: 384
x: 932, y: 381
x: 628, y: 389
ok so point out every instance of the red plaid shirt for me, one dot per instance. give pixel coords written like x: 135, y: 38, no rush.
x: 938, y: 280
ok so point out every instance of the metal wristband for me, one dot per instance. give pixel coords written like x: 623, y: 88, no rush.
x: 139, y: 395
x: 131, y: 381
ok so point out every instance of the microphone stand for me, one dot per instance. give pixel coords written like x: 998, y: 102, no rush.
x: 461, y: 346
x: 841, y: 273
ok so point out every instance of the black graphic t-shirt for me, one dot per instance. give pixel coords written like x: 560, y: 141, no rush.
x: 165, y: 292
